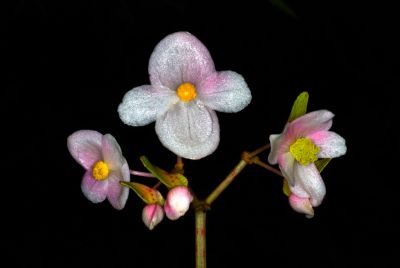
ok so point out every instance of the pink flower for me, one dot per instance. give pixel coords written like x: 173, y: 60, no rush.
x: 302, y: 142
x: 178, y: 202
x: 101, y: 157
x: 152, y: 215
x: 184, y: 92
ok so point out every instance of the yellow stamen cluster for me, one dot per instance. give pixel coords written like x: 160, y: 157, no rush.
x: 100, y: 170
x: 186, y: 92
x: 304, y: 151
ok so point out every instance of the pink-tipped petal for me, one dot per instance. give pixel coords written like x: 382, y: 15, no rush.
x: 117, y: 194
x: 280, y: 144
x: 152, y: 215
x: 286, y: 165
x: 312, y: 122
x: 85, y: 147
x: 225, y: 92
x: 112, y: 153
x: 142, y: 105
x: 189, y: 130
x: 331, y: 144
x: 310, y: 180
x: 94, y: 190
x: 178, y: 202
x: 301, y: 205
x: 180, y: 57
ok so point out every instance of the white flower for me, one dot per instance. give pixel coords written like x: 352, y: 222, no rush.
x: 184, y: 92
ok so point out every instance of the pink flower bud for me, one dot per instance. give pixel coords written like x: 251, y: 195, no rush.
x: 301, y: 205
x: 152, y: 215
x: 178, y: 202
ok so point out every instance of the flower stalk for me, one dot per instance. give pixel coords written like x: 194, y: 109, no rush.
x: 142, y: 174
x: 225, y: 183
x: 200, y: 225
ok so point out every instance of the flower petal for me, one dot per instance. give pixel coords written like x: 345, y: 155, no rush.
x: 275, y: 141
x: 189, y: 130
x: 330, y: 143
x: 280, y: 144
x: 286, y: 164
x: 310, y: 180
x: 117, y: 194
x: 225, y: 92
x: 180, y: 57
x: 309, y: 123
x: 298, y: 190
x: 301, y: 205
x: 112, y: 153
x: 94, y: 190
x: 142, y: 105
x: 85, y: 147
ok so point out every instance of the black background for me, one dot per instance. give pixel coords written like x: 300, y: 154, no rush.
x: 67, y: 65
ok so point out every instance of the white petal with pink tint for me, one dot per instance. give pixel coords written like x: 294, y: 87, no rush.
x: 94, y: 190
x: 180, y: 57
x: 189, y: 130
x: 112, y: 153
x: 152, y: 215
x: 331, y: 144
x: 298, y: 190
x: 85, y: 147
x: 286, y: 164
x: 225, y: 92
x: 301, y: 205
x: 310, y: 180
x: 311, y: 122
x: 117, y: 194
x: 142, y: 105
x: 275, y: 141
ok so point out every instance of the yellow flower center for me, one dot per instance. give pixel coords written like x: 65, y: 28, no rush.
x: 186, y: 92
x: 100, y: 170
x: 304, y: 151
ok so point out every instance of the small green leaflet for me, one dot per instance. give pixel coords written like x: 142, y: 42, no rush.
x: 322, y: 163
x: 147, y: 194
x: 299, y: 107
x: 168, y: 179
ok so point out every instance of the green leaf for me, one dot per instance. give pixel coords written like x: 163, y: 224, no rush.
x: 322, y: 163
x: 168, y: 179
x: 147, y: 194
x: 299, y: 107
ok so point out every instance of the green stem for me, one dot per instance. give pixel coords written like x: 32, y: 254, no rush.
x: 200, y: 221
x: 225, y: 183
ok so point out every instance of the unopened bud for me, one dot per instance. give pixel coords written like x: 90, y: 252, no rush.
x: 178, y: 202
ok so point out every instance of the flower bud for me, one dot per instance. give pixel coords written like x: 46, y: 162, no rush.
x: 301, y: 205
x: 178, y: 202
x: 152, y: 215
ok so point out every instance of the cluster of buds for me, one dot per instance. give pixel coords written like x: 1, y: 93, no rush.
x: 178, y: 198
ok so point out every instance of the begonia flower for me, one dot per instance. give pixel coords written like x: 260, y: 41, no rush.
x: 152, y: 215
x: 302, y: 142
x: 178, y: 202
x: 184, y: 92
x: 101, y: 157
